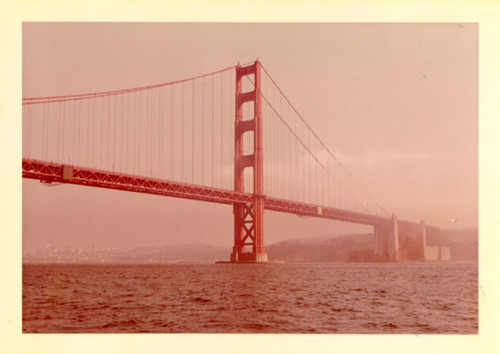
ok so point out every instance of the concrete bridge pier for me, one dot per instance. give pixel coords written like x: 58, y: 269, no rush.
x: 422, y: 237
x: 393, y: 240
x: 387, y: 241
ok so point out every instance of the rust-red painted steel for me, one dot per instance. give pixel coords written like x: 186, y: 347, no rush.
x: 298, y: 208
x: 50, y: 172
x: 258, y: 177
x: 53, y: 172
x: 84, y: 96
x: 249, y: 218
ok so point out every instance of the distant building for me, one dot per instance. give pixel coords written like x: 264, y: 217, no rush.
x: 437, y: 253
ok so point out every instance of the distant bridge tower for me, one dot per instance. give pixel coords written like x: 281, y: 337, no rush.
x: 387, y: 241
x: 248, y: 217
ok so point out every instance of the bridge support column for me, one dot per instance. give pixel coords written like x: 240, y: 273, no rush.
x: 394, y: 240
x: 422, y: 237
x: 380, y: 235
x: 249, y: 218
x: 387, y: 241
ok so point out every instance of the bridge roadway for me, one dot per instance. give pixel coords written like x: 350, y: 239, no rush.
x: 55, y: 172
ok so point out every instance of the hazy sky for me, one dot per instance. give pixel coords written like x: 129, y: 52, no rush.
x: 396, y: 103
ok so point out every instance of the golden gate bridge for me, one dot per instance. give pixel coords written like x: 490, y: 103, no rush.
x: 231, y: 136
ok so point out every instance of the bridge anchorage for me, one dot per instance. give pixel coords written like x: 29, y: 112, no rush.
x: 109, y: 140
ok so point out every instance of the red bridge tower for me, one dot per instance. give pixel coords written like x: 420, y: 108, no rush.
x: 249, y: 217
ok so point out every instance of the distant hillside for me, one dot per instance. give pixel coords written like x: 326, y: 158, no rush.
x: 349, y: 248
x: 359, y: 248
x: 198, y: 253
x: 324, y: 249
x: 463, y: 243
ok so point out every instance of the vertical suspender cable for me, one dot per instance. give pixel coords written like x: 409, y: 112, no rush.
x: 63, y: 130
x: 315, y: 180
x: 139, y: 130
x: 149, y: 118
x: 221, y: 120
x: 28, y: 127
x: 276, y: 149
x: 276, y: 155
x: 59, y: 131
x: 304, y: 171
x: 88, y: 134
x: 296, y: 168
x: 150, y: 129
x: 192, y: 133
x: 134, y: 135
x: 341, y: 197
x: 203, y: 131
x: 212, y: 78
x: 328, y: 189
x: 182, y: 134
x: 230, y: 125
x: 172, y: 115
x: 160, y: 132
x: 127, y: 134
x: 101, y: 133
x: 47, y: 130
x: 44, y: 129
x: 122, y: 132
x: 288, y: 157
x: 115, y: 118
x: 322, y: 187
x: 292, y: 161
x: 94, y: 133
x: 79, y: 128
x: 282, y: 164
x: 147, y: 122
x: 73, y: 128
x: 127, y: 141
x: 150, y: 126
x: 308, y: 173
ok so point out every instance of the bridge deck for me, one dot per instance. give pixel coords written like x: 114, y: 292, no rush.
x: 53, y: 172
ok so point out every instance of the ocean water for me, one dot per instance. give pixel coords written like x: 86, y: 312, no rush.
x: 416, y: 298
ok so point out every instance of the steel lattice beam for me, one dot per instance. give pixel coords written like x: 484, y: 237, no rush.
x: 53, y: 172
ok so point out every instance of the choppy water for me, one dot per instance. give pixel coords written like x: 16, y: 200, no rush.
x: 270, y: 298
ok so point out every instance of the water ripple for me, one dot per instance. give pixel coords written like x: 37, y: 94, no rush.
x: 282, y: 298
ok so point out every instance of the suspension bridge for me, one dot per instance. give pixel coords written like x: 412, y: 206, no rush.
x: 231, y: 136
